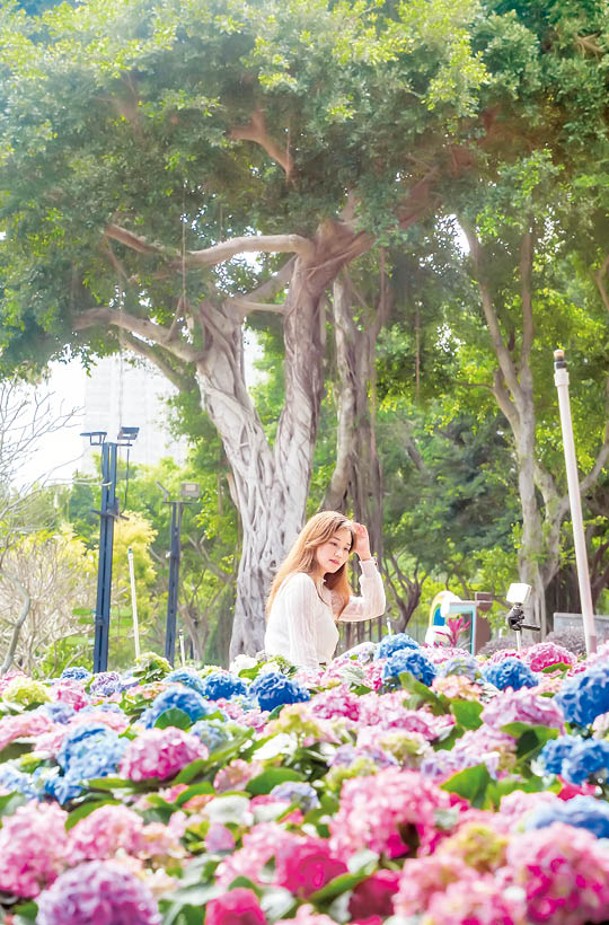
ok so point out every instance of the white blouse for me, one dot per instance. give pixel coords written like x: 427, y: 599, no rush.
x: 301, y: 624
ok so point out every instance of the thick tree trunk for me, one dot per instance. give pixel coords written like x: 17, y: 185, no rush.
x: 269, y: 485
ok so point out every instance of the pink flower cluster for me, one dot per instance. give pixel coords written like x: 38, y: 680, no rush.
x: 33, y: 845
x: 544, y: 655
x: 387, y: 811
x: 160, y: 753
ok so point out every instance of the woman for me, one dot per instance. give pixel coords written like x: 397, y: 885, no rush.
x: 311, y: 593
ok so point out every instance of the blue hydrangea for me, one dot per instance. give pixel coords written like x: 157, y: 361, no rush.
x: 510, y: 672
x: 223, y: 685
x: 210, y: 734
x: 465, y: 665
x: 272, y: 689
x: 299, y: 792
x: 589, y: 758
x: 585, y: 696
x: 390, y: 644
x: 16, y: 780
x: 177, y: 698
x: 85, y: 752
x: 106, y: 683
x: 584, y: 812
x: 59, y: 712
x: 555, y: 751
x: 76, y: 673
x: 411, y: 660
x: 189, y: 678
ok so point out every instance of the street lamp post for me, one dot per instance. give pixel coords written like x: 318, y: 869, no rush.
x: 190, y: 492
x: 108, y: 513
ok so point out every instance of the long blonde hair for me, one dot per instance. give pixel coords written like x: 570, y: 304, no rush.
x: 301, y: 557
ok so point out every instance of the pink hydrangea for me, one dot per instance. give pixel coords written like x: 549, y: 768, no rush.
x: 104, y: 832
x: 523, y: 706
x: 501, y: 654
x: 564, y: 872
x: 337, y: 701
x: 71, y: 693
x: 307, y: 867
x: 236, y: 775
x: 375, y: 895
x: 260, y: 844
x: 388, y: 711
x: 25, y: 726
x: 33, y: 846
x: 481, y: 901
x: 385, y: 811
x: 306, y: 915
x: 237, y: 907
x: 422, y: 878
x: 546, y: 654
x: 160, y: 753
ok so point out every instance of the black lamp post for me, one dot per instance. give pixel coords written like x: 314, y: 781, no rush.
x: 108, y: 513
x: 189, y: 492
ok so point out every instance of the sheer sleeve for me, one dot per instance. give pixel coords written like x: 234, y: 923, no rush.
x: 299, y: 602
x: 372, y: 601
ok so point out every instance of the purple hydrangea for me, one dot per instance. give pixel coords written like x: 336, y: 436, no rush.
x: 299, y: 792
x: 510, y: 672
x: 13, y: 779
x: 221, y: 685
x: 97, y: 893
x: 106, y: 683
x: 210, y: 734
x: 584, y: 812
x: 390, y: 644
x: 272, y: 689
x: 586, y: 695
x: 177, y: 698
x: 412, y: 660
x: 465, y: 665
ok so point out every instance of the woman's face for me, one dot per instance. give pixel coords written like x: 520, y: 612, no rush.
x: 334, y: 552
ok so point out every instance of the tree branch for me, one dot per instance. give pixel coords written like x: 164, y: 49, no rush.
x: 266, y: 244
x: 256, y: 131
x: 135, y: 242
x: 140, y: 327
x: 148, y: 352
x: 526, y: 273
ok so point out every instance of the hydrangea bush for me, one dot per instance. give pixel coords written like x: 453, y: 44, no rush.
x: 408, y: 786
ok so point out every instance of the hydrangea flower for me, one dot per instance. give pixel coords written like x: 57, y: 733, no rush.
x: 390, y: 644
x: 211, y: 734
x: 221, y: 685
x: 464, y: 664
x: 564, y: 872
x: 337, y: 701
x: 160, y: 753
x: 106, y: 683
x: 412, y: 660
x: 13, y: 779
x: 273, y: 689
x: 555, y: 751
x: 585, y: 696
x: 301, y: 793
x: 584, y: 812
x: 26, y: 692
x: 589, y: 758
x: 188, y: 678
x: 522, y: 706
x: 102, y: 892
x: 33, y: 846
x: 546, y: 654
x: 76, y: 673
x: 176, y: 698
x: 510, y: 672
x: 239, y: 905
x: 86, y: 751
x: 103, y: 832
x: 307, y: 867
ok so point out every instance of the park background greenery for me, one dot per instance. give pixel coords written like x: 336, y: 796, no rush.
x: 404, y: 203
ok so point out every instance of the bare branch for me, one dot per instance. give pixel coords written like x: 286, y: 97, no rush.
x: 256, y: 131
x: 136, y: 242
x: 140, y: 327
x: 265, y: 244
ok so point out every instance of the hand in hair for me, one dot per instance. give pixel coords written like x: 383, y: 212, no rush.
x: 361, y: 544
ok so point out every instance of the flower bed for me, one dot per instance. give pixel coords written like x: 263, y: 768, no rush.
x: 414, y: 786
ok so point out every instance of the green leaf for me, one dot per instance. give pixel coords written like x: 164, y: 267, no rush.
x: 192, y: 770
x: 204, y: 787
x: 421, y: 694
x: 85, y: 809
x: 341, y: 884
x: 467, y: 713
x: 265, y: 782
x: 471, y: 784
x: 173, y: 717
x: 10, y: 801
